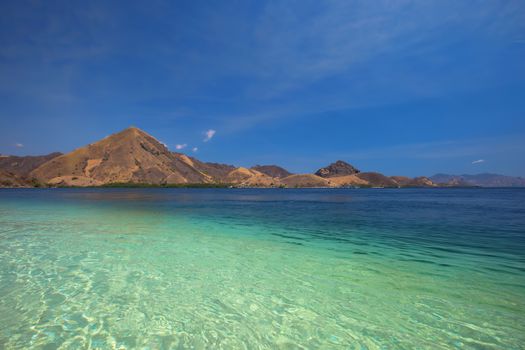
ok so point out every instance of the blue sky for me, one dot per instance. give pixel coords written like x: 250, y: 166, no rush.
x: 401, y: 87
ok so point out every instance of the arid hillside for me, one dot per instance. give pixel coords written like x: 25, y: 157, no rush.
x: 134, y: 157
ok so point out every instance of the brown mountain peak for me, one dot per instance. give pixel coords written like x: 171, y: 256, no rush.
x: 132, y: 131
x: 130, y: 155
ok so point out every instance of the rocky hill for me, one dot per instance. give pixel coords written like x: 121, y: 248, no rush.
x: 272, y: 170
x: 378, y: 180
x: 22, y: 166
x: 348, y: 181
x: 9, y: 179
x: 249, y: 177
x: 339, y: 168
x: 420, y: 181
x: 128, y: 156
x: 218, y: 172
x: 133, y: 156
x: 305, y: 180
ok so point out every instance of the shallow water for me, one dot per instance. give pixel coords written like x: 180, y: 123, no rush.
x: 268, y: 268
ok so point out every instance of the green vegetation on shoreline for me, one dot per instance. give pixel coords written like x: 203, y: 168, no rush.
x: 146, y: 185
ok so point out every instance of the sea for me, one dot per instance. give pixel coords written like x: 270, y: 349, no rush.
x: 160, y: 268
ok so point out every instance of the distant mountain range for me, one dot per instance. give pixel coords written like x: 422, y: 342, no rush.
x: 133, y: 157
x: 481, y: 180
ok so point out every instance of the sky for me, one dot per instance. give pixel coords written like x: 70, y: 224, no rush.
x: 400, y: 87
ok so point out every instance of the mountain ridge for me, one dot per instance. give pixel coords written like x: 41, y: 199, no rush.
x: 134, y: 157
x: 272, y: 170
x: 23, y: 165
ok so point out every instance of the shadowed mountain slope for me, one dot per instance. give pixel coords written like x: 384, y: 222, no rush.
x: 9, y: 179
x: 22, y: 166
x: 272, y: 170
x: 218, y: 172
x: 377, y: 179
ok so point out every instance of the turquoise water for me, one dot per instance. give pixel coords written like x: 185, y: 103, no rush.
x: 269, y: 268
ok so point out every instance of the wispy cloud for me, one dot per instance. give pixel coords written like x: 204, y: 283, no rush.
x: 444, y: 149
x: 345, y: 39
x: 181, y: 146
x: 209, y: 135
x: 19, y: 145
x: 195, y: 149
x: 343, y: 36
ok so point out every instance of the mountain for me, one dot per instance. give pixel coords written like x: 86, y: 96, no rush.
x: 348, y: 181
x: 305, y: 180
x: 9, y: 179
x: 338, y: 168
x: 481, y: 180
x: 253, y: 178
x: 342, y: 174
x: 22, y: 166
x: 15, y: 170
x: 272, y: 170
x: 133, y: 156
x: 378, y: 179
x: 218, y: 172
x: 420, y: 181
x: 128, y: 156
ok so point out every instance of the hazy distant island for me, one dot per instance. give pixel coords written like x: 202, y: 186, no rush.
x: 136, y: 159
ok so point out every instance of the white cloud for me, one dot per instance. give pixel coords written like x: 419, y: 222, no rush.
x: 209, y: 135
x: 182, y: 146
x: 478, y: 161
x: 195, y: 149
x: 19, y: 145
